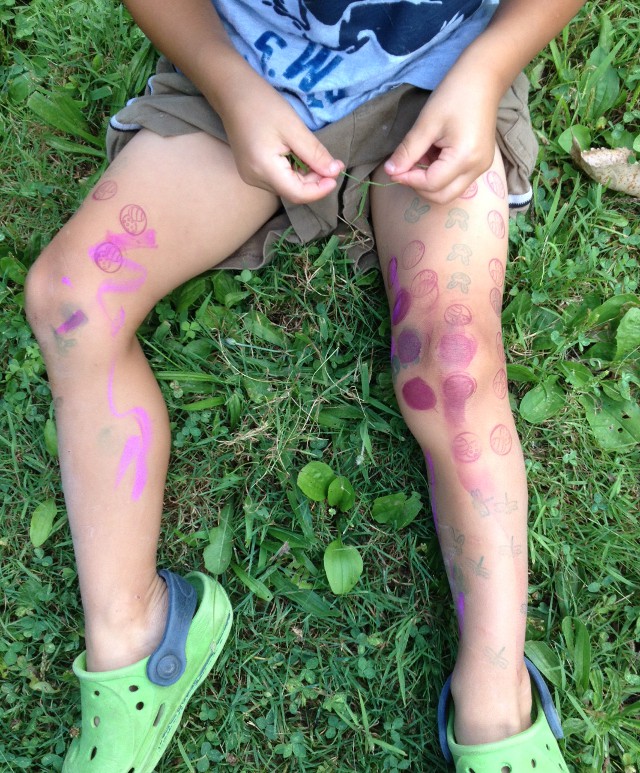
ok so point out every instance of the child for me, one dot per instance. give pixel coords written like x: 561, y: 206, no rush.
x: 408, y: 93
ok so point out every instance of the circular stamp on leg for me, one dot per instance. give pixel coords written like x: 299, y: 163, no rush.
x: 412, y: 255
x: 106, y: 190
x: 466, y: 447
x: 495, y: 298
x: 107, y: 257
x: 133, y: 219
x: 500, y: 385
x: 392, y: 273
x: 494, y: 181
x: 500, y: 440
x: 471, y: 191
x: 418, y: 394
x: 409, y: 347
x: 425, y: 286
x: 500, y: 347
x: 458, y: 314
x: 496, y: 271
x: 496, y: 224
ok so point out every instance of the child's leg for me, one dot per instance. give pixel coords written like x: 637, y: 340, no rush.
x: 166, y: 210
x: 444, y: 271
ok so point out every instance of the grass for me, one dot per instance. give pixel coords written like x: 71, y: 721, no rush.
x: 265, y: 372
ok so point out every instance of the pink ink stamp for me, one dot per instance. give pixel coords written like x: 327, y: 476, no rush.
x: 494, y: 181
x: 495, y: 298
x: 466, y: 447
x: 500, y: 384
x: 456, y: 350
x: 500, y: 440
x: 418, y: 394
x: 425, y: 286
x: 458, y: 314
x: 413, y: 254
x: 496, y: 224
x: 409, y: 347
x: 457, y: 389
x: 133, y: 219
x: 106, y: 190
x: 496, y: 271
x: 500, y: 347
x: 471, y: 191
x: 107, y: 257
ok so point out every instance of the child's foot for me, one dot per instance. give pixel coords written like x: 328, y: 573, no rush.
x: 132, y: 631
x: 490, y: 707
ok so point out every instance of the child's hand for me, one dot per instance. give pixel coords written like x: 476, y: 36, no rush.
x: 453, y: 140
x: 263, y: 129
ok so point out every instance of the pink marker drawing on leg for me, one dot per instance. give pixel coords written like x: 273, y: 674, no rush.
x: 460, y: 611
x: 110, y: 260
x: 137, y: 447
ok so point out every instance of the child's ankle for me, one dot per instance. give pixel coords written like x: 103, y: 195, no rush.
x: 127, y: 634
x: 490, y: 707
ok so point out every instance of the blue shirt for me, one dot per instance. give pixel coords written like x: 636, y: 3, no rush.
x: 327, y: 57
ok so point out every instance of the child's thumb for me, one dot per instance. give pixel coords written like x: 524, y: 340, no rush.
x: 408, y: 153
x: 316, y: 156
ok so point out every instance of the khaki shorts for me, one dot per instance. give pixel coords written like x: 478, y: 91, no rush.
x: 173, y: 106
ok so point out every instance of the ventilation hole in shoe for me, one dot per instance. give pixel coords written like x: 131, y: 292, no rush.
x: 534, y: 764
x: 156, y: 721
x: 96, y: 721
x: 548, y: 747
x: 506, y: 769
x: 140, y: 706
x: 94, y: 751
x: 131, y: 770
x: 133, y: 688
x: 96, y: 693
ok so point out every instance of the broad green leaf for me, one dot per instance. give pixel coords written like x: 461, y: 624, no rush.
x: 186, y: 296
x: 581, y: 133
x: 582, y: 655
x: 226, y: 289
x: 611, y: 308
x: 255, y: 586
x: 547, y: 661
x: 204, y: 404
x: 628, y: 334
x: 577, y: 374
x: 261, y: 327
x: 522, y: 373
x: 42, y: 522
x: 542, y: 402
x: 314, y: 480
x: 219, y: 551
x: 292, y: 538
x: 51, y: 437
x: 306, y: 599
x: 615, y: 424
x: 343, y: 566
x: 69, y: 146
x: 340, y: 494
x: 234, y: 406
x: 63, y: 113
x: 396, y: 509
x: 337, y: 416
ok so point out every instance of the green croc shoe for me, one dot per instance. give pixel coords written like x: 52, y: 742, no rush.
x: 129, y: 715
x: 533, y: 751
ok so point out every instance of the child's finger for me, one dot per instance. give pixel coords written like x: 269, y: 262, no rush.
x: 313, y: 153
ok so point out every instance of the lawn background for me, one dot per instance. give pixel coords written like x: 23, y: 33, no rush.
x: 266, y: 372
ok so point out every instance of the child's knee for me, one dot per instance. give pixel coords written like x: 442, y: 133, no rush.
x: 445, y: 371
x: 66, y: 307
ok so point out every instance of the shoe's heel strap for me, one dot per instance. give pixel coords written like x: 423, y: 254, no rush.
x: 167, y: 664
